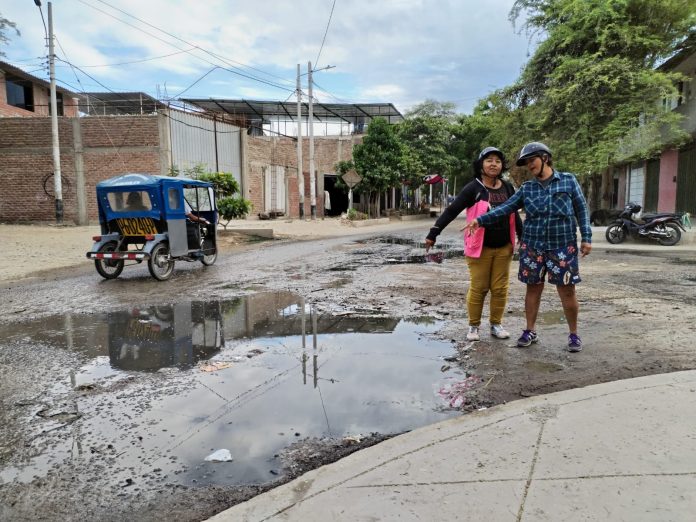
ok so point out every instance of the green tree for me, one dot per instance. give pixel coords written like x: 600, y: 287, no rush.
x: 378, y: 160
x: 435, y: 109
x: 5, y: 25
x: 593, y: 77
x: 429, y: 137
x: 230, y: 205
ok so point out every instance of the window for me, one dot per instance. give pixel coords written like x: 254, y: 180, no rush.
x: 174, y: 199
x: 198, y: 198
x: 20, y: 93
x: 129, y: 201
x: 59, y: 102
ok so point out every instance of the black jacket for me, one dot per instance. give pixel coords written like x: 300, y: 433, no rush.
x: 471, y: 193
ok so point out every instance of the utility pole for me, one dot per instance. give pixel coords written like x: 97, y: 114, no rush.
x: 300, y: 171
x: 57, y: 185
x: 312, y: 174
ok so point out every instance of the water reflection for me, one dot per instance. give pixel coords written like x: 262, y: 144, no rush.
x: 147, y: 339
x: 286, y: 373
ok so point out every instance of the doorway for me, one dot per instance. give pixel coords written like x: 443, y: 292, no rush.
x: 337, y: 196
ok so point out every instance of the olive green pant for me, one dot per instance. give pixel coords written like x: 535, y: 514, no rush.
x: 490, y: 272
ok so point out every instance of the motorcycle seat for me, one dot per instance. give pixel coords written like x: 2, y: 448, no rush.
x: 647, y: 218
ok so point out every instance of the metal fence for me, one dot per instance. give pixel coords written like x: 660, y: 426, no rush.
x: 201, y: 140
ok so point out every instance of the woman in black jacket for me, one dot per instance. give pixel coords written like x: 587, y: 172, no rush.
x: 488, y: 251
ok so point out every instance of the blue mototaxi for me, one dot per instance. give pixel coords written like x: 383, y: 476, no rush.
x: 157, y: 219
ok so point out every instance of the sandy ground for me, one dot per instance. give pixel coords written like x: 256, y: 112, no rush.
x: 28, y: 249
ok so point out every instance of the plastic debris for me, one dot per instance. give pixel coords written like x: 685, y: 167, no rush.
x: 221, y: 455
x: 455, y: 392
x: 215, y: 366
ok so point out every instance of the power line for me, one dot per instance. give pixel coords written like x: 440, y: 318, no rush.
x: 194, y: 83
x: 329, y: 93
x: 139, y: 61
x: 218, y: 57
x: 316, y: 62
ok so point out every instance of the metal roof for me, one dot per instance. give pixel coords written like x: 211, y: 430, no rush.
x: 110, y: 103
x: 255, y: 110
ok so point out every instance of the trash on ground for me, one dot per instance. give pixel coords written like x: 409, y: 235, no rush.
x: 221, y: 455
x: 353, y: 438
x: 215, y: 366
x: 454, y: 392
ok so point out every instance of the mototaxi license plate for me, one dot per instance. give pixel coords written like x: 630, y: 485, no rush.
x: 137, y: 226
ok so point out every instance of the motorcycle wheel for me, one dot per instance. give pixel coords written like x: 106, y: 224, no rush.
x: 160, y: 264
x: 109, y: 268
x: 673, y: 237
x: 209, y: 259
x: 615, y: 234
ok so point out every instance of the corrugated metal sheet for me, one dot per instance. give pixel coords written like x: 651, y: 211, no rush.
x: 686, y: 180
x: 197, y: 140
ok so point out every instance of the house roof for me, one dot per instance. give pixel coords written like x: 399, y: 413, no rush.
x: 686, y: 49
x: 16, y: 71
x: 256, y: 110
x: 110, y: 103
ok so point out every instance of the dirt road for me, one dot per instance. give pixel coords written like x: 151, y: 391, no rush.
x: 82, y: 437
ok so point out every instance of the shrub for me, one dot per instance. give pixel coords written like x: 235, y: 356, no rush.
x: 354, y: 215
x: 232, y: 208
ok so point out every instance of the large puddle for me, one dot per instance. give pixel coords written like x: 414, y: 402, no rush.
x: 237, y: 375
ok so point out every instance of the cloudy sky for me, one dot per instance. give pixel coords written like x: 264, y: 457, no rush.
x: 398, y: 51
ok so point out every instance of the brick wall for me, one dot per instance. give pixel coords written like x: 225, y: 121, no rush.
x: 265, y: 151
x: 42, y: 100
x: 111, y: 146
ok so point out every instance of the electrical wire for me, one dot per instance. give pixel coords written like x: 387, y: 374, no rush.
x: 321, y: 48
x: 329, y: 93
x: 214, y: 55
x: 194, y: 83
x: 139, y: 61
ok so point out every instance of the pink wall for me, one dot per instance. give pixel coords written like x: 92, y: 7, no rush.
x: 667, y: 197
x: 623, y: 181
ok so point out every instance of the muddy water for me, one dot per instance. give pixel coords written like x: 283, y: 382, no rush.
x: 159, y: 388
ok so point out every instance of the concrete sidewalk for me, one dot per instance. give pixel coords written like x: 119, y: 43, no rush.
x: 624, y: 450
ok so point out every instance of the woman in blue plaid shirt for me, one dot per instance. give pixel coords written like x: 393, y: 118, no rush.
x: 555, y: 207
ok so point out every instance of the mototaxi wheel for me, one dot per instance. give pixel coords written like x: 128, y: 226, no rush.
x: 209, y: 259
x: 160, y: 264
x: 674, y: 235
x: 615, y: 234
x: 109, y: 268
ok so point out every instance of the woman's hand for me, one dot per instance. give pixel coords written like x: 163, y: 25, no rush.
x: 428, y: 245
x: 471, y: 227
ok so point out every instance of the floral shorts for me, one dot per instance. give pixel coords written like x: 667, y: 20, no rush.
x: 561, y: 265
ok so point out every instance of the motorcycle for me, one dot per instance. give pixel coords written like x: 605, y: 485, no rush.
x: 664, y: 227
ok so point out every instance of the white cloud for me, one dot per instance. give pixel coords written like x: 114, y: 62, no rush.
x: 400, y: 51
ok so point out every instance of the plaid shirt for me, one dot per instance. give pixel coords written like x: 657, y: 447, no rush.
x: 553, y: 213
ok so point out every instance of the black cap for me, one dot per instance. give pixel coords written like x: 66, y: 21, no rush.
x: 530, y: 150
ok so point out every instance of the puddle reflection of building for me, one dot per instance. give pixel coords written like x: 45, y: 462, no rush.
x: 150, y: 338
x: 277, y: 314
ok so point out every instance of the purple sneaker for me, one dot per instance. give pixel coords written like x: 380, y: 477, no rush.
x: 527, y: 338
x: 574, y: 343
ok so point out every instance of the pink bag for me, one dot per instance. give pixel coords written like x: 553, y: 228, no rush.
x: 473, y: 243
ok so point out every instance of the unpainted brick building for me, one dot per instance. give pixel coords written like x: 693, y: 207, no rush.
x: 96, y: 148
